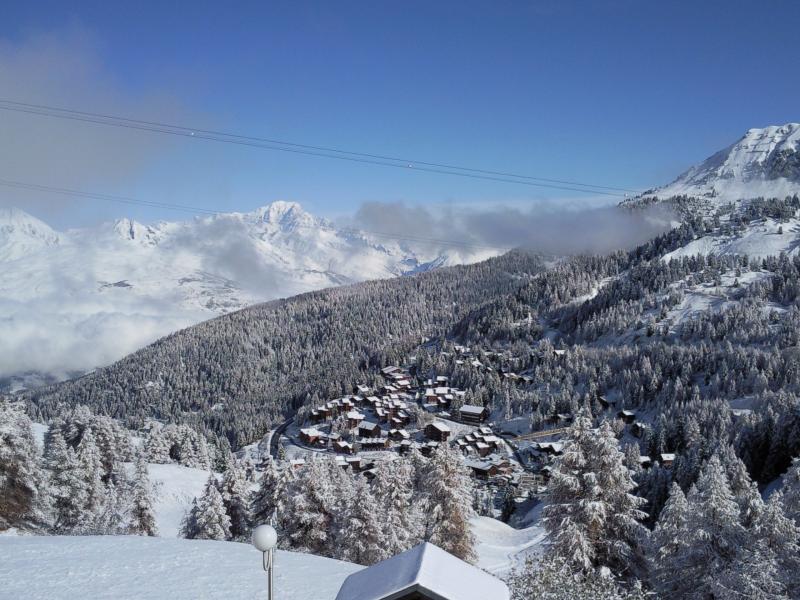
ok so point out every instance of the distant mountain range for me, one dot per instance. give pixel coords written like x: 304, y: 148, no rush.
x: 74, y: 300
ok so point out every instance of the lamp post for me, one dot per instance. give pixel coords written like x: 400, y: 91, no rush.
x: 265, y: 538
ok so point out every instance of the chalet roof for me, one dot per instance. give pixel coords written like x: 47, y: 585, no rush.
x: 354, y: 414
x: 472, y: 410
x: 667, y: 456
x: 426, y: 569
x: 368, y: 425
x: 311, y: 432
x: 440, y: 426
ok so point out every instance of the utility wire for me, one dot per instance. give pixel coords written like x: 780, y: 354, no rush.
x: 319, y: 151
x: 193, y: 209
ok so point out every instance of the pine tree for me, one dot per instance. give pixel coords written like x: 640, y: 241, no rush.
x: 667, y: 540
x: 713, y: 535
x: 362, y: 538
x: 24, y: 494
x: 393, y: 490
x: 791, y: 491
x: 591, y: 516
x: 268, y: 497
x: 142, y: 521
x: 90, y: 468
x: 448, y: 503
x: 235, y: 494
x: 67, y: 485
x: 207, y: 519
x: 309, y: 520
x: 554, y: 578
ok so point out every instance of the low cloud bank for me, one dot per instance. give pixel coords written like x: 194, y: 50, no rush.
x: 547, y: 229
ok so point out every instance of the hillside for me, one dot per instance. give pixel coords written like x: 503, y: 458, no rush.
x: 131, y: 567
x: 241, y: 373
x: 80, y: 299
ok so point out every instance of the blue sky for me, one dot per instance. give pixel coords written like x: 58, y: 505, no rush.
x: 622, y: 93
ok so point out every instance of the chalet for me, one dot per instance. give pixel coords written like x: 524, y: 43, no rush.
x: 428, y: 449
x: 389, y: 370
x: 627, y: 416
x: 550, y: 447
x: 482, y: 469
x: 374, y: 443
x: 404, y: 446
x: 604, y: 401
x: 354, y: 418
x: 425, y: 572
x: 342, y: 447
x: 363, y: 389
x: 639, y: 428
x: 667, y: 459
x: 354, y: 462
x: 483, y: 449
x: 559, y: 353
x: 310, y: 436
x: 473, y: 414
x: 442, y: 380
x: 398, y: 435
x: 437, y: 431
x: 564, y: 418
x: 368, y: 429
x: 645, y: 462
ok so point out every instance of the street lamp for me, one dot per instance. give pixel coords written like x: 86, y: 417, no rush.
x: 265, y: 538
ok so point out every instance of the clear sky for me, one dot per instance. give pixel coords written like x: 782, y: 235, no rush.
x: 615, y: 92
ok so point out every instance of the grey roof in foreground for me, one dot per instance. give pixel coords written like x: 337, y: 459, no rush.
x: 426, y: 569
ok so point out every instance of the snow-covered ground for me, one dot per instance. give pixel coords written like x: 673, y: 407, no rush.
x: 129, y: 567
x: 175, y: 486
x: 500, y: 547
x: 760, y: 239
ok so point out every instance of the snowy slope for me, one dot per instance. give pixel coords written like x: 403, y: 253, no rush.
x: 764, y: 162
x: 76, y: 300
x: 500, y: 547
x: 759, y: 239
x: 128, y: 567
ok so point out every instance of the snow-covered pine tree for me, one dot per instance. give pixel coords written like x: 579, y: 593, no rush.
x: 66, y: 484
x: 90, y: 467
x: 448, y: 503
x: 791, y: 491
x: 142, y: 516
x: 207, y: 519
x: 712, y: 533
x: 362, y: 536
x: 393, y: 489
x: 113, y: 517
x: 310, y: 518
x: 24, y: 493
x: 268, y: 497
x: 592, y: 517
x: 778, y: 539
x: 666, y: 540
x: 235, y: 492
x: 554, y: 578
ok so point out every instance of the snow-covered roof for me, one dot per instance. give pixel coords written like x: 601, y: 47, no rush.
x: 428, y: 570
x: 470, y: 409
x: 440, y: 426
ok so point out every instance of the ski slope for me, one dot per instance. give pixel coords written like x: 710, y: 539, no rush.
x: 132, y: 568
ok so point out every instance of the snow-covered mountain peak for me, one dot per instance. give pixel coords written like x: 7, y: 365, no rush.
x: 288, y: 216
x: 763, y: 162
x: 21, y: 232
x: 129, y: 229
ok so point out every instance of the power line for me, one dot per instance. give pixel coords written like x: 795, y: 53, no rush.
x: 306, y: 149
x: 194, y: 209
